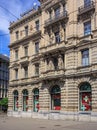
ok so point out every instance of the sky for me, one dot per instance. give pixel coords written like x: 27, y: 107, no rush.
x: 10, y: 10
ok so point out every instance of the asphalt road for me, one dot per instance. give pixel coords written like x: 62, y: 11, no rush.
x: 10, y: 123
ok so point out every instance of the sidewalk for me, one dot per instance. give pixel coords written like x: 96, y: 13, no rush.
x: 10, y: 123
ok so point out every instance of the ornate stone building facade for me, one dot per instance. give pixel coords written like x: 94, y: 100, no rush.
x: 53, y: 61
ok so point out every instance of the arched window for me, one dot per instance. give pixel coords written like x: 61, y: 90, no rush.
x: 55, y: 98
x: 25, y: 100
x: 36, y: 100
x: 15, y: 94
x: 85, y: 97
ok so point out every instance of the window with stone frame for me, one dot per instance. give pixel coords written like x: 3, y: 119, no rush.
x: 17, y: 35
x: 36, y: 100
x: 26, y: 30
x: 57, y: 12
x: 26, y: 50
x: 16, y: 54
x: 37, y: 69
x: 37, y: 25
x: 87, y: 28
x: 87, y: 3
x: 85, y: 97
x: 55, y: 62
x: 37, y: 47
x: 57, y: 37
x: 15, y: 95
x: 55, y: 98
x: 25, y: 71
x: 16, y: 73
x: 85, y: 57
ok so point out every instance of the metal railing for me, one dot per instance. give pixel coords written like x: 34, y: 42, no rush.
x: 88, y: 6
x: 63, y: 14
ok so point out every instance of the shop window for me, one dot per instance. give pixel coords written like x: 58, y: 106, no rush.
x: 55, y: 98
x: 36, y: 100
x: 15, y: 94
x: 16, y: 54
x: 25, y: 100
x: 85, y: 97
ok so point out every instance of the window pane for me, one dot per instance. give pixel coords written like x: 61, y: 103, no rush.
x: 26, y: 51
x: 16, y: 55
x: 57, y: 12
x: 37, y: 25
x: 85, y: 57
x: 87, y: 28
x: 57, y: 37
x: 25, y: 72
x: 55, y: 98
x: 26, y: 31
x: 36, y: 47
x: 85, y: 97
x: 36, y: 100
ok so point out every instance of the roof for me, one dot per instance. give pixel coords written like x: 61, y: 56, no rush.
x: 4, y: 57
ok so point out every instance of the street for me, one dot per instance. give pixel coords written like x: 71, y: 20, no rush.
x: 10, y: 123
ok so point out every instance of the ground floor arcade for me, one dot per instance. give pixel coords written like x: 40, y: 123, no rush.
x: 71, y: 98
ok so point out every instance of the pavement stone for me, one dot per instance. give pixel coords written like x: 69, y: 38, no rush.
x: 12, y: 123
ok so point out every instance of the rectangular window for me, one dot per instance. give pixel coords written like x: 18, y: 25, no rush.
x: 85, y: 57
x: 26, y: 71
x: 57, y: 37
x: 87, y: 3
x: 55, y: 62
x: 26, y: 31
x: 37, y: 47
x: 50, y: 14
x: 16, y: 73
x: 57, y: 12
x: 37, y: 69
x: 16, y: 54
x: 26, y: 50
x: 37, y: 25
x: 87, y: 28
x: 17, y: 35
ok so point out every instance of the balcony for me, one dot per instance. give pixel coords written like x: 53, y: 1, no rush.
x: 52, y: 74
x: 53, y: 20
x: 87, y: 9
x: 24, y: 60
x: 54, y: 47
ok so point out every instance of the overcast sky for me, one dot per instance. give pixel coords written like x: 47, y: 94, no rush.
x: 16, y: 7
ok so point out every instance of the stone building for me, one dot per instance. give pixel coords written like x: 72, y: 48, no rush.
x: 53, y: 61
x: 4, y: 76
